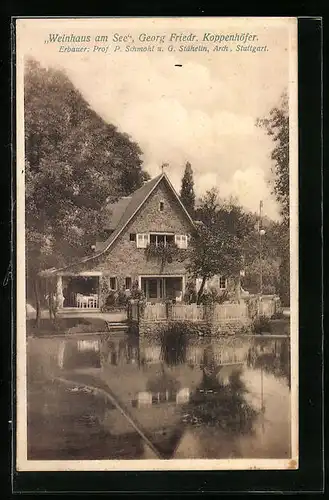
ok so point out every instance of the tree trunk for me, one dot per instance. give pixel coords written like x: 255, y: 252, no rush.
x: 52, y: 303
x: 200, y: 292
x: 48, y: 299
x: 37, y: 301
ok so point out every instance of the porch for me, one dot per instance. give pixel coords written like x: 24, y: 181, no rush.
x: 159, y: 288
x: 78, y: 292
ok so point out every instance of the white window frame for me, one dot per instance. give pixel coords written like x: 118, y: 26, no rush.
x: 142, y: 240
x: 165, y: 235
x: 181, y: 240
x: 220, y: 278
x: 131, y: 282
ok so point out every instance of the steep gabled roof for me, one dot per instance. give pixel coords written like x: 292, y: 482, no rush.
x: 137, y: 199
x: 116, y: 211
x: 134, y: 204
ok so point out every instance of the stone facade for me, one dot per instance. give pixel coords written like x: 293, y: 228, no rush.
x: 124, y: 259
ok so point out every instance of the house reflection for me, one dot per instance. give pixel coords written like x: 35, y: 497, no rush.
x: 82, y: 353
x: 148, y: 398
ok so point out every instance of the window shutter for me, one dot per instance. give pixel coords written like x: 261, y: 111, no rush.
x: 142, y: 240
x: 181, y: 240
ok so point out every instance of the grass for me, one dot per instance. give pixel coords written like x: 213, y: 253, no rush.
x: 65, y: 325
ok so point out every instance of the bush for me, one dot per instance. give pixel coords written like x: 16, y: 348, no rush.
x: 278, y: 315
x: 110, y: 300
x: 213, y: 296
x: 252, y: 305
x: 136, y: 293
x: 122, y: 299
x: 261, y: 325
x: 190, y: 296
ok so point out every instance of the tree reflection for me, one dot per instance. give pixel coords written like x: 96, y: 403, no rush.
x: 272, y: 357
x: 174, y: 344
x: 220, y: 401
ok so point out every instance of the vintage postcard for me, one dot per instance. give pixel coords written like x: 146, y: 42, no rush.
x: 157, y: 272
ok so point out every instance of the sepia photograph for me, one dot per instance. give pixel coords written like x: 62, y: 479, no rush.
x: 157, y: 229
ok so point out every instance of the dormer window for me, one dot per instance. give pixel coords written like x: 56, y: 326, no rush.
x: 161, y: 206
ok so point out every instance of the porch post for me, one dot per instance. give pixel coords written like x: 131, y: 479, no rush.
x: 59, y: 292
x: 238, y: 289
x: 183, y: 285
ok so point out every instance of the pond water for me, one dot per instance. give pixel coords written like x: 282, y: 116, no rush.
x: 116, y: 396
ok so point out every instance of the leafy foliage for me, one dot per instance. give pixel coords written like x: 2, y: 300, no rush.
x: 261, y: 324
x: 187, y: 194
x: 115, y: 299
x: 217, y: 245
x: 214, y: 296
x: 277, y: 126
x: 74, y: 163
x: 136, y: 293
x: 270, y: 275
x: 164, y: 253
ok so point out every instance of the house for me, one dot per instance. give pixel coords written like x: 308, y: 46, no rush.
x: 148, y: 234
x: 145, y: 232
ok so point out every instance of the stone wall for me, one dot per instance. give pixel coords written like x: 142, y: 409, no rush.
x: 236, y: 327
x: 154, y: 329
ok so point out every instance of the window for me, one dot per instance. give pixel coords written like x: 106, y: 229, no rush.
x: 161, y: 239
x: 128, y: 283
x: 181, y: 240
x: 222, y: 283
x: 143, y: 240
x: 161, y: 206
x: 132, y: 237
x: 113, y: 283
x: 153, y: 288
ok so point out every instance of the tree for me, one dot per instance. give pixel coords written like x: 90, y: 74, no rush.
x: 187, y: 194
x: 277, y: 126
x: 74, y: 162
x: 217, y: 245
x: 270, y: 275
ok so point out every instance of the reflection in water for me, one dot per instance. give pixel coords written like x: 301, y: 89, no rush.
x: 75, y: 354
x: 173, y: 345
x: 273, y: 356
x: 220, y: 402
x: 191, y: 397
